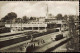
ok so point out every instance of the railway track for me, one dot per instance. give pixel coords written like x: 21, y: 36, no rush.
x: 8, y: 40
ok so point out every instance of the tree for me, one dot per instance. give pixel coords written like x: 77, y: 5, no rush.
x: 50, y: 16
x: 9, y: 16
x: 25, y: 19
x: 73, y: 33
x: 31, y: 18
x: 59, y: 17
x: 71, y: 18
x: 65, y: 17
x: 4, y: 19
x: 0, y: 20
x: 12, y: 15
x: 18, y: 20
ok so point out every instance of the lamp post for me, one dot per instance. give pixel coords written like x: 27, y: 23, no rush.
x: 21, y: 24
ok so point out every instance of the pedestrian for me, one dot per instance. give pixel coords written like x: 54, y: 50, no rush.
x: 42, y: 41
x: 34, y: 45
x: 38, y: 42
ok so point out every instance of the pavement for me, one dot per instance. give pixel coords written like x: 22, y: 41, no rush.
x: 49, y: 42
x: 45, y: 47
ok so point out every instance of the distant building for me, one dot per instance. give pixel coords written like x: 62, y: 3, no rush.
x: 36, y: 24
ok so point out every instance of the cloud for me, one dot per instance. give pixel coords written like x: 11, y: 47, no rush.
x: 39, y: 8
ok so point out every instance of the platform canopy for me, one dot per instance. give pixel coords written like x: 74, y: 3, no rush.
x: 25, y: 25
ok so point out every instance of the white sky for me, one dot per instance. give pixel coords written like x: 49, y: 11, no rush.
x: 38, y: 8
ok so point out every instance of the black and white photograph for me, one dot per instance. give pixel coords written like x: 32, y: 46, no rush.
x: 39, y: 26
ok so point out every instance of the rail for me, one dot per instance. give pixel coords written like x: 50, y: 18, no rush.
x: 12, y: 41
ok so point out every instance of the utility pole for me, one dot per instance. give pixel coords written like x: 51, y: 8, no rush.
x: 10, y: 24
x: 21, y: 24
